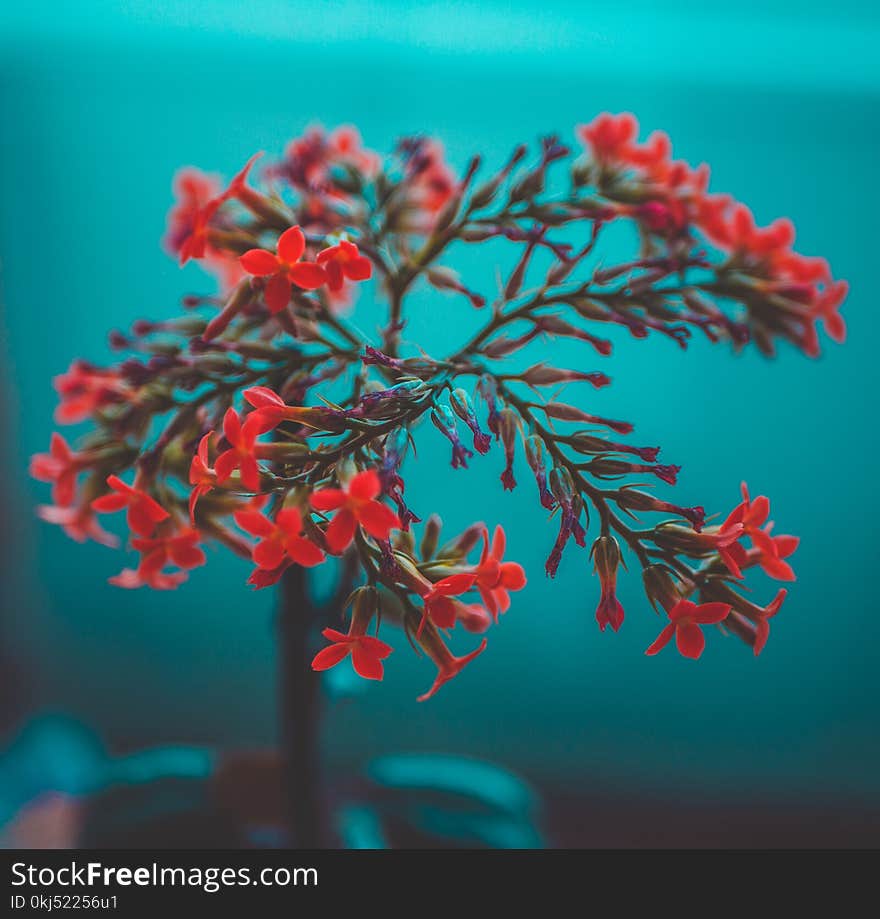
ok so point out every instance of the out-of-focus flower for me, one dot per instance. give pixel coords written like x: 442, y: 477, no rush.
x: 279, y: 539
x: 495, y: 578
x: 144, y: 512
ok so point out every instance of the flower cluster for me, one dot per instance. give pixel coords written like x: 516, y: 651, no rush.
x: 263, y: 421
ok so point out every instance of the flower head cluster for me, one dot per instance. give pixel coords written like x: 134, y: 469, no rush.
x: 263, y: 420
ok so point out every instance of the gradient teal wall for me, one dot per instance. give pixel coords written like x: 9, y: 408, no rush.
x: 102, y: 102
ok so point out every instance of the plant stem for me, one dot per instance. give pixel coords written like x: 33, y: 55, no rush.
x: 299, y: 707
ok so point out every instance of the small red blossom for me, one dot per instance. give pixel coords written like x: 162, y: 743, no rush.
x: 242, y: 452
x: 437, y: 597
x: 762, y: 627
x: 768, y: 551
x: 179, y: 548
x: 85, y: 390
x: 686, y: 618
x: 193, y: 218
x: 447, y: 664
x: 59, y: 466
x: 280, y: 539
x: 495, y: 578
x: 144, y: 512
x: 367, y: 652
x: 355, y: 504
x: 284, y: 269
x: 610, y: 137
x: 344, y: 262
x: 78, y: 522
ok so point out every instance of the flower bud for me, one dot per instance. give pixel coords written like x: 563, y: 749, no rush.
x: 606, y: 559
x: 660, y: 587
x: 430, y: 537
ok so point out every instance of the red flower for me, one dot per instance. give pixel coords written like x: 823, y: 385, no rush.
x: 279, y: 540
x: 494, y: 577
x: 85, y: 390
x: 242, y: 453
x: 610, y: 137
x: 440, y: 608
x: 191, y: 240
x: 448, y: 665
x: 179, y: 548
x: 355, y: 504
x: 367, y: 652
x: 827, y: 309
x: 144, y: 512
x: 685, y: 621
x: 284, y: 269
x: 201, y: 476
x: 193, y: 190
x: 78, y: 522
x: 762, y: 627
x: 273, y: 410
x: 343, y: 261
x: 60, y: 467
x: 768, y: 551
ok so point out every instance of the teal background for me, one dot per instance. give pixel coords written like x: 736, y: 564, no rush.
x: 101, y: 102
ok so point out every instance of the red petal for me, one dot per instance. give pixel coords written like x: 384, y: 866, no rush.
x: 259, y: 262
x: 454, y: 584
x: 376, y: 647
x: 365, y: 665
x: 762, y: 633
x: 261, y: 396
x: 377, y: 519
x: 268, y: 553
x: 307, y: 275
x: 254, y: 523
x: 289, y: 520
x: 709, y: 613
x: 250, y: 473
x: 232, y: 426
x: 328, y: 499
x: 277, y: 293
x: 291, y: 245
x: 107, y: 504
x: 359, y: 269
x: 365, y: 485
x: 662, y: 639
x: 442, y: 612
x: 690, y: 639
x: 304, y: 552
x: 513, y: 576
x: 340, y: 531
x: 330, y: 657
x: 499, y: 542
x: 225, y: 464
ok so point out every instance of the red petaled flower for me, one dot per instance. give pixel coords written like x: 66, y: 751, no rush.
x: 280, y: 539
x: 439, y: 605
x: 495, y: 577
x: 60, y: 467
x: 686, y: 618
x: 343, y: 262
x: 610, y: 137
x: 355, y: 504
x: 367, y: 652
x: 144, y: 512
x: 78, y: 522
x: 242, y: 452
x: 762, y: 627
x: 284, y: 269
x: 447, y: 664
x: 180, y: 548
x: 768, y: 551
x: 85, y: 390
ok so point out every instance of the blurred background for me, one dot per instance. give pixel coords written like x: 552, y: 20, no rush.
x: 101, y: 102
